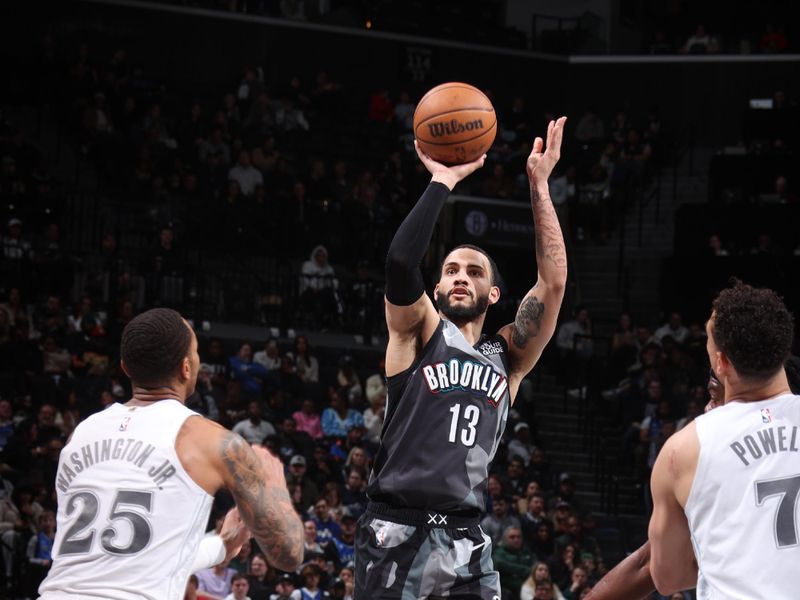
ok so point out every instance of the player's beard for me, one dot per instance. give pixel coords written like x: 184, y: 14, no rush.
x: 462, y: 314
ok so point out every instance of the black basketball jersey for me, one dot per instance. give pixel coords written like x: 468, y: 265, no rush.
x: 445, y: 416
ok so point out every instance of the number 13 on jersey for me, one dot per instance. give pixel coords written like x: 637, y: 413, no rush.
x: 470, y: 418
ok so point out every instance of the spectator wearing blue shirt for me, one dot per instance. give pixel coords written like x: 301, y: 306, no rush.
x: 345, y: 543
x: 251, y: 374
x: 327, y: 528
x: 339, y: 419
x: 40, y: 549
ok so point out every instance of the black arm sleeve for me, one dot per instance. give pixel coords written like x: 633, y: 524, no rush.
x: 404, y: 284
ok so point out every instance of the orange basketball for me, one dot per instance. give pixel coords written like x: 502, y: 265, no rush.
x: 454, y: 123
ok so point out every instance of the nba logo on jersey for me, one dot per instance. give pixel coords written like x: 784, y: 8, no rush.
x: 766, y: 417
x: 124, y: 425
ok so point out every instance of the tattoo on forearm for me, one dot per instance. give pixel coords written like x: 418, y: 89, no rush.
x: 549, y: 239
x: 528, y: 321
x: 265, y: 507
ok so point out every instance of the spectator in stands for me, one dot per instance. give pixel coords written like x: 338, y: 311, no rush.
x: 305, y: 363
x: 700, y: 43
x: 540, y: 573
x: 578, y: 582
x: 241, y: 562
x: 269, y: 357
x: 673, y: 328
x: 590, y: 127
x: 500, y: 519
x: 240, y: 586
x: 763, y: 246
x: 261, y: 578
x: 289, y: 118
x: 515, y: 481
x: 499, y: 185
x: 285, y: 589
x: 318, y: 284
x: 577, y: 538
x: 310, y: 543
x: 404, y: 111
x: 566, y: 494
x: 374, y: 415
x: 15, y: 246
x: 245, y: 174
x: 543, y: 545
x: 308, y: 420
x: 327, y: 527
x: 354, y: 497
x: 521, y: 445
x: 216, y: 580
x: 773, y: 39
x: 532, y: 518
x: 513, y: 561
x: 715, y: 245
x: 39, y: 550
x: 254, y: 429
x: 544, y: 591
x: 338, y: 419
x: 13, y: 306
x: 251, y: 374
x: 693, y: 410
x: 215, y: 146
x: 349, y: 382
x: 561, y: 565
x: 298, y: 476
x: 575, y: 344
x: 345, y: 543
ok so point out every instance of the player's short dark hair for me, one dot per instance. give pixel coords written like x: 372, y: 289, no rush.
x: 792, y: 367
x: 495, y: 273
x: 755, y: 330
x: 153, y: 345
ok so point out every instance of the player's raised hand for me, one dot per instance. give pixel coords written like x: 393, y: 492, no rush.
x: 543, y: 159
x: 449, y: 176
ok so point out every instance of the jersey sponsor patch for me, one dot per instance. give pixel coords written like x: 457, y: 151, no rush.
x: 490, y: 348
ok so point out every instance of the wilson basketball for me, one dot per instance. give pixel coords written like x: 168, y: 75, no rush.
x: 455, y: 123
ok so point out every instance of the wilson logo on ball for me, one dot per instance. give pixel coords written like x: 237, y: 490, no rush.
x: 453, y: 127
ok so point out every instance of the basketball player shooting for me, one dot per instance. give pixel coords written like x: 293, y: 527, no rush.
x: 136, y: 483
x: 449, y: 392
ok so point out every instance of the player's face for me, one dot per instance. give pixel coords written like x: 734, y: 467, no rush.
x: 465, y: 289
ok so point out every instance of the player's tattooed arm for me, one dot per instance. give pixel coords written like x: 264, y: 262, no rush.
x: 528, y: 322
x: 551, y: 253
x: 257, y: 483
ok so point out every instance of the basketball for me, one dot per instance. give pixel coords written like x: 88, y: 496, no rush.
x: 455, y: 123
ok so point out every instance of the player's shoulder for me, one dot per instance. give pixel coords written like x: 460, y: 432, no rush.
x: 680, y: 452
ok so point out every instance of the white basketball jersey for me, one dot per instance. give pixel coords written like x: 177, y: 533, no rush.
x: 129, y: 516
x: 743, y: 505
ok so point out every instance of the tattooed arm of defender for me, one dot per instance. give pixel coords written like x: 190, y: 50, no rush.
x: 255, y: 478
x: 538, y: 312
